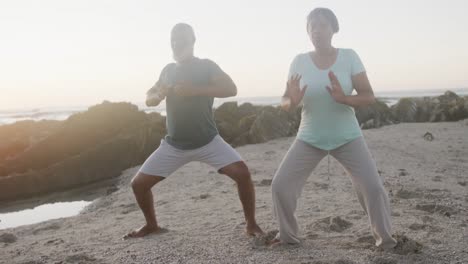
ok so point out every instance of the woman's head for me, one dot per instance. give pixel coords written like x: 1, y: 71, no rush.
x: 321, y: 25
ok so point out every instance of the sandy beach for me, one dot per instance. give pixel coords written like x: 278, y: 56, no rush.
x: 426, y: 180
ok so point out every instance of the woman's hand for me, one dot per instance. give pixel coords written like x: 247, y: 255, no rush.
x: 294, y: 91
x: 335, y: 90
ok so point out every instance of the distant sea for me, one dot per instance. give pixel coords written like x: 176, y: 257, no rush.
x: 62, y: 113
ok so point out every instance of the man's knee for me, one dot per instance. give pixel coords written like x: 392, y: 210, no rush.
x: 142, y: 182
x: 238, y: 171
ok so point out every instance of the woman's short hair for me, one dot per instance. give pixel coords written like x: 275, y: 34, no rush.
x: 325, y: 13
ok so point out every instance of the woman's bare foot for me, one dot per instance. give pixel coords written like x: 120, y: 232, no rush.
x: 273, y: 243
x: 254, y: 230
x: 143, y: 231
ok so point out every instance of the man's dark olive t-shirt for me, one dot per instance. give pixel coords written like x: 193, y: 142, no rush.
x: 189, y: 121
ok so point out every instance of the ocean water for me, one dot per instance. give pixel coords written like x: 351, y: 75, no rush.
x: 62, y: 113
x: 41, y: 213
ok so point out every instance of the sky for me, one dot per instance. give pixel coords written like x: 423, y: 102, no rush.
x: 74, y: 53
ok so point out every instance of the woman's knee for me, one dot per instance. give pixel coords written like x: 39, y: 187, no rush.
x: 278, y: 185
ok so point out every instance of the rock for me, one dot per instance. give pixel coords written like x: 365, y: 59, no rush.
x: 405, y: 110
x: 375, y: 115
x: 88, y: 147
x: 428, y: 136
x: 232, y: 121
x: 18, y: 137
x: 273, y: 123
x: 449, y: 107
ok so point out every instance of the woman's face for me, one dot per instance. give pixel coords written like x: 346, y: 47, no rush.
x: 320, y: 32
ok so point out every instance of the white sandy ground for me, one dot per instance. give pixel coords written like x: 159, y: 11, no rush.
x: 427, y: 183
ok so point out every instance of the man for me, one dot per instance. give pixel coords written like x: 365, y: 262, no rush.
x: 189, y: 86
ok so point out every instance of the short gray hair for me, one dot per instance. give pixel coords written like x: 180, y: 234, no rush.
x: 327, y: 14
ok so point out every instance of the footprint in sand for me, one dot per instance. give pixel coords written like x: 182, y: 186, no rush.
x: 264, y: 182
x: 8, y: 238
x: 366, y: 239
x: 382, y: 260
x: 417, y: 226
x: 333, y: 224
x: 128, y: 208
x: 80, y: 258
x: 406, y: 245
x: 402, y: 172
x: 437, y: 179
x: 33, y: 262
x: 54, y: 226
x: 406, y: 194
x: 54, y: 242
x: 337, y: 261
x: 201, y: 196
x: 435, y: 208
x: 322, y: 186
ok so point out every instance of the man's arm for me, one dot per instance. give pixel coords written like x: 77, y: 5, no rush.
x: 220, y: 85
x: 156, y: 94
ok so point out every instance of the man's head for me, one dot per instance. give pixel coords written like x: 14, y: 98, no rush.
x: 182, y: 42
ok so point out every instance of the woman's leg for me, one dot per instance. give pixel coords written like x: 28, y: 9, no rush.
x: 357, y: 160
x: 287, y: 185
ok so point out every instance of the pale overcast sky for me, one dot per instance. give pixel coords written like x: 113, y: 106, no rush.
x: 69, y: 53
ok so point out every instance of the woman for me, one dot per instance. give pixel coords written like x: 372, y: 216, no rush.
x: 323, y: 81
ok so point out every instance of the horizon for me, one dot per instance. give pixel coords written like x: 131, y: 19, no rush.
x: 58, y: 54
x: 380, y: 95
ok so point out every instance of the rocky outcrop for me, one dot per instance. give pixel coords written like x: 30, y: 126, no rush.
x: 447, y: 107
x: 18, y: 137
x: 89, y: 147
x: 248, y: 124
x: 46, y: 156
x: 375, y: 115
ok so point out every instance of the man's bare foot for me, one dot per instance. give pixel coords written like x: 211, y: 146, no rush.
x: 143, y: 231
x: 254, y: 230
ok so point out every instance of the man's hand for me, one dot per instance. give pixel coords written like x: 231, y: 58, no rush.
x: 184, y: 88
x: 156, y: 94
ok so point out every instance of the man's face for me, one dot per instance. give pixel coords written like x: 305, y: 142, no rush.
x: 182, y: 42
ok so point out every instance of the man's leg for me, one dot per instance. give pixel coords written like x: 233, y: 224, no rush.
x: 226, y: 160
x: 162, y: 163
x: 141, y: 185
x: 239, y: 172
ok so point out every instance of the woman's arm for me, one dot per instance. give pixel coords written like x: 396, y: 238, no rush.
x: 364, y: 97
x: 365, y: 94
x: 293, y: 95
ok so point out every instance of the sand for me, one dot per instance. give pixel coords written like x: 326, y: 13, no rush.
x: 426, y: 181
